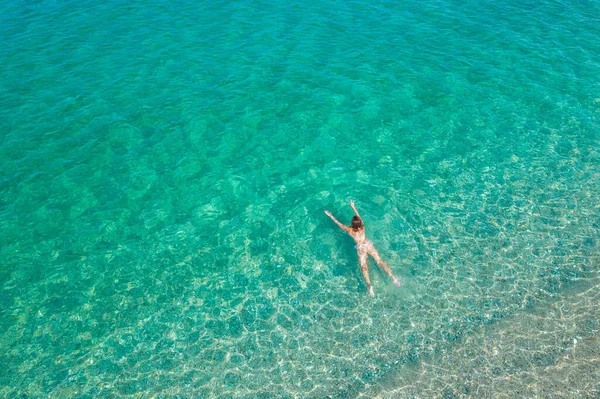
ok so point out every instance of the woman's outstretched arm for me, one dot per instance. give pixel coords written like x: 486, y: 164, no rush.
x: 354, y: 208
x: 341, y: 226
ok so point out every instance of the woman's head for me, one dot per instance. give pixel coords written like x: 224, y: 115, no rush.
x: 357, y: 223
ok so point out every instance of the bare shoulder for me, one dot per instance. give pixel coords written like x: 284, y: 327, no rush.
x: 356, y: 234
x: 348, y: 229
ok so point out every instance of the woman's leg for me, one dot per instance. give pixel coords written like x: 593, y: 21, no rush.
x: 362, y: 258
x: 373, y: 252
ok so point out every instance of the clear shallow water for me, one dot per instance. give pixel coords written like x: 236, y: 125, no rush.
x: 165, y: 167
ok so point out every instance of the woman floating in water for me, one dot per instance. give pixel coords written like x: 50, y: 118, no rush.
x: 364, y: 247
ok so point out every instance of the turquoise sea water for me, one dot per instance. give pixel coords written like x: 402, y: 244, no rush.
x: 164, y: 168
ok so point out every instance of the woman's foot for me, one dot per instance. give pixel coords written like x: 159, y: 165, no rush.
x: 396, y: 281
x: 371, y: 292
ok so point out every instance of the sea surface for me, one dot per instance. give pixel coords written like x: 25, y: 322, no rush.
x: 165, y: 167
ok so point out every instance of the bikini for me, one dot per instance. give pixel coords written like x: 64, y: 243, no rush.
x: 365, y: 244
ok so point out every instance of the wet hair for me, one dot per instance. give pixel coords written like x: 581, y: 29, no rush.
x: 357, y: 223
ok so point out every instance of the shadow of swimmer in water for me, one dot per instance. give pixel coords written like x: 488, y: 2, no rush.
x: 364, y: 247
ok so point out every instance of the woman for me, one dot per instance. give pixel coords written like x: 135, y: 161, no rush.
x: 364, y: 247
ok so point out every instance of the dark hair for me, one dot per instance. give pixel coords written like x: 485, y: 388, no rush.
x: 357, y: 222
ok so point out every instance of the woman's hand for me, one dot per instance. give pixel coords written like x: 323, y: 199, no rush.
x: 352, y: 203
x: 328, y: 213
